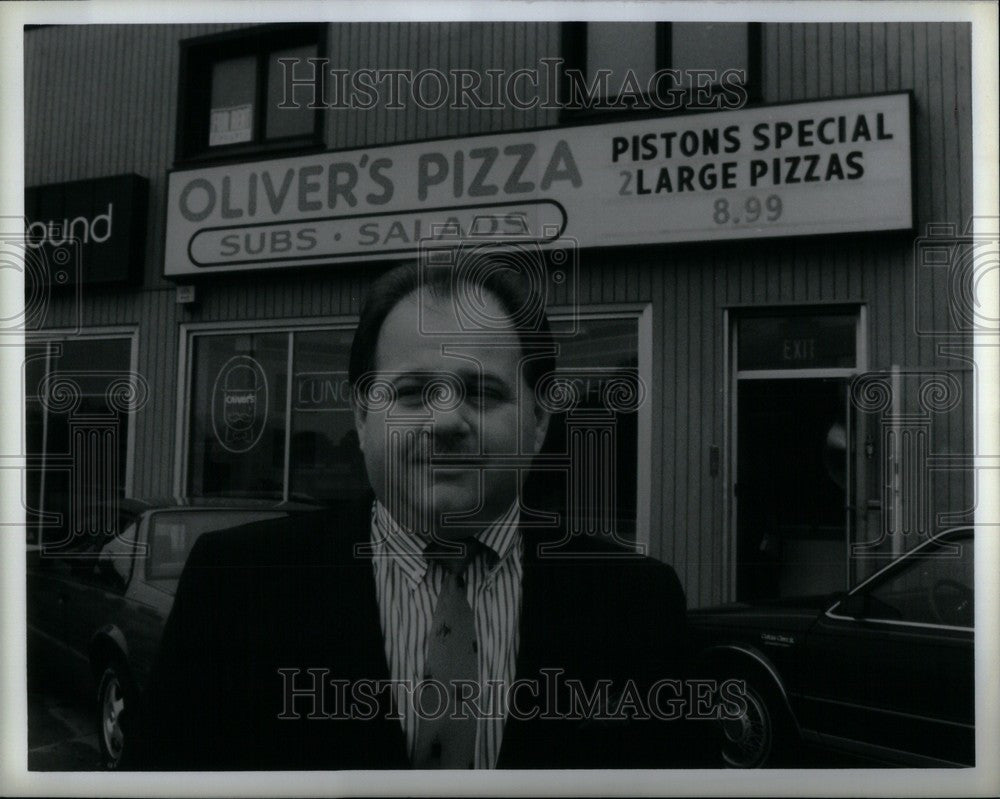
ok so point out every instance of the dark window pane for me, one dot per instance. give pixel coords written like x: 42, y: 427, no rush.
x: 326, y: 463
x: 237, y: 444
x: 807, y: 341
x: 717, y: 46
x: 234, y: 85
x: 619, y: 47
x: 91, y: 354
x: 597, y: 433
x: 290, y: 121
x: 78, y: 437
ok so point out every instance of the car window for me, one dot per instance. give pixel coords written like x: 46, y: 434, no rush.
x: 44, y: 562
x: 85, y: 556
x: 934, y: 587
x: 172, y: 535
x: 79, y: 560
x: 72, y: 559
x: 114, y: 565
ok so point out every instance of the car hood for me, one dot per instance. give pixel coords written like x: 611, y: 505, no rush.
x: 793, y: 614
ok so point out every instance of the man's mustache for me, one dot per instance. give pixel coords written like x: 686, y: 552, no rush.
x: 438, y: 450
x: 454, y: 458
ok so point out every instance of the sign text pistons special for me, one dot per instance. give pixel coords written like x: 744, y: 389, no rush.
x: 842, y: 157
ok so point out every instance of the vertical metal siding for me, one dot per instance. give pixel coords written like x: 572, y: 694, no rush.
x: 103, y: 100
x: 441, y: 46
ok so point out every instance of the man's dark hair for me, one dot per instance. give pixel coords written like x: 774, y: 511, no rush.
x: 512, y: 291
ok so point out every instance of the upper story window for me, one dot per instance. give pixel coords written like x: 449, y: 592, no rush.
x: 660, y: 66
x: 233, y: 86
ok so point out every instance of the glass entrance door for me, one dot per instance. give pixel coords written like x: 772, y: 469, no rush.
x: 792, y: 487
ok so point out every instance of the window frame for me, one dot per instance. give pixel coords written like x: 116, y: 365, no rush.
x: 731, y: 314
x: 574, y: 53
x: 199, y: 54
x: 48, y: 337
x: 641, y: 313
x: 185, y: 380
x: 857, y: 310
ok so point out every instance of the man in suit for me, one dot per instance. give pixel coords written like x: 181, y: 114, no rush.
x: 432, y: 627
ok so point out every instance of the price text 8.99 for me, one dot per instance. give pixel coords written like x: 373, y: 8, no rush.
x: 752, y: 210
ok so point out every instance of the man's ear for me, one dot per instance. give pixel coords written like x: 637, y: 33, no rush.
x: 542, y: 418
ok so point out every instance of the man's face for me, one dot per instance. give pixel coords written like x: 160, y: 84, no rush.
x: 455, y: 396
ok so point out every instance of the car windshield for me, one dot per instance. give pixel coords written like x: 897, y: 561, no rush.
x: 172, y: 535
x: 933, y: 586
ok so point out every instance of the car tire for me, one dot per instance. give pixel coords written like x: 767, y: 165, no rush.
x: 763, y: 734
x: 114, y: 697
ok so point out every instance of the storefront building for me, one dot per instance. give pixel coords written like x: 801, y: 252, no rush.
x: 765, y: 377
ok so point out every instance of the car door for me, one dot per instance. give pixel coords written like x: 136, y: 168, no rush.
x: 48, y: 578
x: 96, y: 600
x: 889, y: 670
x: 149, y: 600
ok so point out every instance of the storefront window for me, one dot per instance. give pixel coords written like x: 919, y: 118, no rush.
x: 242, y: 403
x: 78, y: 394
x: 589, y: 472
x: 238, y: 415
x: 325, y: 461
x: 255, y: 432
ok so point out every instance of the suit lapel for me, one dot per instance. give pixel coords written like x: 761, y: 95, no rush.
x: 539, y: 646
x: 346, y: 602
x: 533, y: 623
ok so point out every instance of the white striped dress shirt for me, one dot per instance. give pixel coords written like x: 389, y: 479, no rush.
x: 407, y: 587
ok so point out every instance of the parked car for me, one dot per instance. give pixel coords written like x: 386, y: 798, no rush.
x: 97, y: 605
x: 885, y: 671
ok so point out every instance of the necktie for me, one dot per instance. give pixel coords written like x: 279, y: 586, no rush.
x: 445, y: 740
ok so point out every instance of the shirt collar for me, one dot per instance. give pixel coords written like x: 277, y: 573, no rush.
x: 499, y: 538
x: 406, y: 550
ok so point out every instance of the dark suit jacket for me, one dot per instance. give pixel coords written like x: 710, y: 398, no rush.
x: 293, y: 594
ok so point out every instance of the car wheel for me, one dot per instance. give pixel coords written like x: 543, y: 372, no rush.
x: 760, y: 734
x: 114, y: 696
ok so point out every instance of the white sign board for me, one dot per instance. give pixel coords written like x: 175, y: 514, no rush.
x: 785, y: 170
